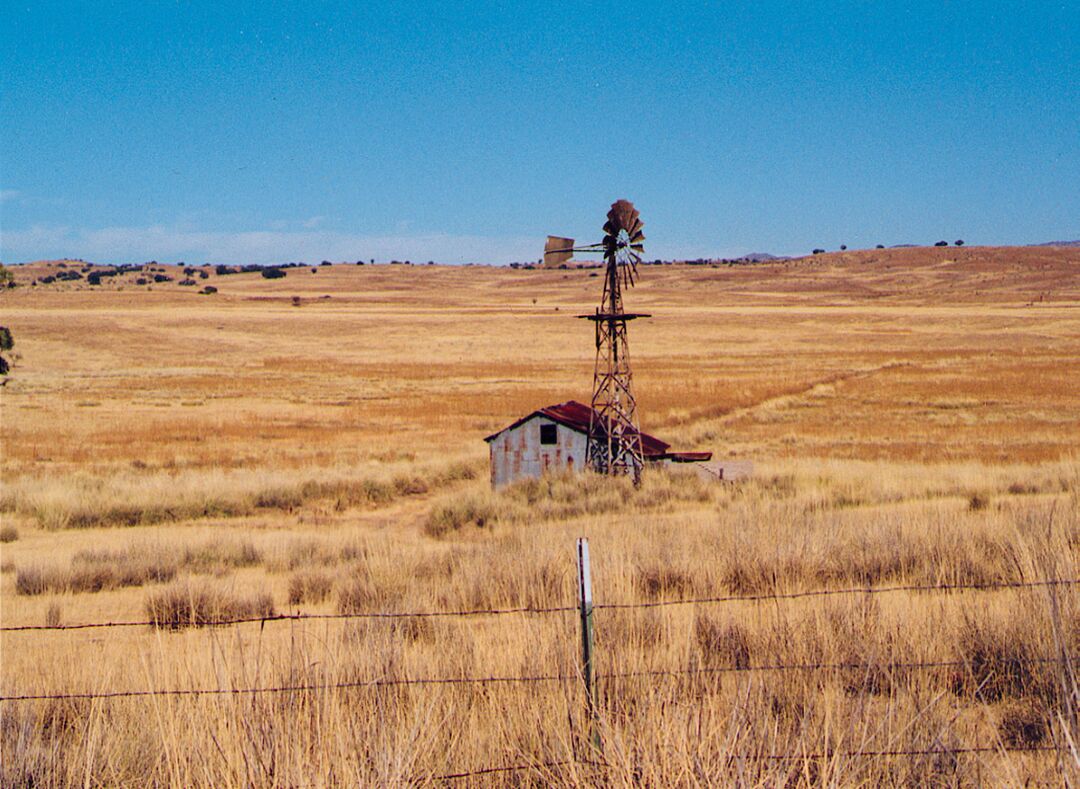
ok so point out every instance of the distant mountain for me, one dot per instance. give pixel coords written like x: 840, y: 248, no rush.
x: 1057, y: 244
x: 761, y: 257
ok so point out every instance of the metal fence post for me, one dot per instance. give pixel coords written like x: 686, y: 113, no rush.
x: 586, y: 601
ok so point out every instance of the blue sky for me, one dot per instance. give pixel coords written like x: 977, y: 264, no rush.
x: 270, y: 132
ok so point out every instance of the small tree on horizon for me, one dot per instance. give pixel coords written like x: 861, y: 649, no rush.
x: 7, y: 342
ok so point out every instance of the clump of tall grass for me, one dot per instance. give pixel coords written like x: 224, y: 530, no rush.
x: 663, y: 579
x: 309, y: 586
x: 362, y: 595
x: 722, y: 642
x: 53, y: 615
x: 470, y: 509
x: 35, y: 580
x: 370, y: 586
x: 8, y: 533
x: 190, y: 605
x: 218, y: 555
x: 1002, y: 661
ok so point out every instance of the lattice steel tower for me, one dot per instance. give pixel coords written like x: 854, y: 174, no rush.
x: 614, y: 438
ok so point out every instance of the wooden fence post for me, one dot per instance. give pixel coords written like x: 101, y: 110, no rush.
x: 586, y: 601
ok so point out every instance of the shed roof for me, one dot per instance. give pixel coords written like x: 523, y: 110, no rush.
x: 576, y: 416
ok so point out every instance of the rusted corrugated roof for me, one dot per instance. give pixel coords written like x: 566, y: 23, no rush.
x: 690, y: 457
x: 576, y: 416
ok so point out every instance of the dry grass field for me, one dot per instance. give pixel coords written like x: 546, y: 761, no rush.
x: 313, y: 445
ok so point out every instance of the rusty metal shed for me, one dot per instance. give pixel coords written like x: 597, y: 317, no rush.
x: 555, y: 438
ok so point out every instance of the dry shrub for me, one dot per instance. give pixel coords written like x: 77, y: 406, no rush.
x: 353, y: 551
x: 216, y: 556
x: 663, y: 581
x: 410, y: 486
x: 979, y: 502
x: 61, y: 718
x: 414, y: 629
x: 631, y: 632
x: 1001, y: 660
x: 309, y: 586
x: 1022, y: 489
x: 366, y: 491
x: 53, y: 615
x: 863, y: 558
x: 662, y: 489
x: 542, y: 580
x: 459, y: 512
x: 854, y: 631
x: 309, y: 552
x: 439, y: 568
x: 132, y: 567
x: 8, y: 533
x: 279, y: 498
x: 722, y: 643
x: 1023, y: 724
x: 7, y: 566
x: 188, y: 605
x: 360, y: 594
x: 35, y: 580
x: 775, y: 486
x: 458, y: 471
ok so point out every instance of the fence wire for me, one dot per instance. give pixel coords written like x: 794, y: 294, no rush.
x: 527, y: 610
x: 852, y: 590
x: 377, y: 683
x: 774, y: 757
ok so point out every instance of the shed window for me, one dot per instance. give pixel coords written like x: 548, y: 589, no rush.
x: 549, y: 434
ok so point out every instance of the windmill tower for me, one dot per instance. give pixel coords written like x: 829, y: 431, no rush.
x: 614, y: 438
x: 614, y: 445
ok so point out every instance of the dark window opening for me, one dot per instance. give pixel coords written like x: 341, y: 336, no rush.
x: 549, y: 434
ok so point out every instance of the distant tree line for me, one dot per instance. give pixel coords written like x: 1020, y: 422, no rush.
x: 959, y: 242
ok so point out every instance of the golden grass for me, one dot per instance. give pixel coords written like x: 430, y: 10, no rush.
x: 140, y: 497
x: 913, y: 421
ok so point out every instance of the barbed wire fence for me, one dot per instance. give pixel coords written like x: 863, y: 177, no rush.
x: 585, y: 608
x: 526, y: 610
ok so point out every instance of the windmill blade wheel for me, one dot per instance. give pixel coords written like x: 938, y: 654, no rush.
x: 624, y: 239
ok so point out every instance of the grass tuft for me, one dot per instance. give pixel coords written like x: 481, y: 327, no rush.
x: 53, y: 615
x: 187, y: 605
x: 309, y: 586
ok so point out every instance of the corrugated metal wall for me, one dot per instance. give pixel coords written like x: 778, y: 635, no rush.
x: 518, y: 453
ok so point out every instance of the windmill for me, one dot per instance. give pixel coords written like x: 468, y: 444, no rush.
x: 614, y: 445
